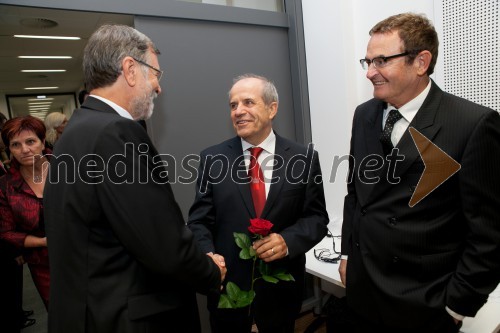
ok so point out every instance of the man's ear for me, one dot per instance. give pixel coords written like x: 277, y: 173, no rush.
x: 130, y: 70
x: 273, y: 110
x: 422, y: 61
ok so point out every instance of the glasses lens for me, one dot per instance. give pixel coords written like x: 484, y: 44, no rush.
x: 379, y: 62
x: 364, y: 63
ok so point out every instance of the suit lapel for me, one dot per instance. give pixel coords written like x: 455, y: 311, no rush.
x: 372, y: 129
x: 424, y: 123
x: 281, y: 149
x: 235, y: 152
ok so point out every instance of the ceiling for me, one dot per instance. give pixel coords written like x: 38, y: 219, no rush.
x: 16, y: 20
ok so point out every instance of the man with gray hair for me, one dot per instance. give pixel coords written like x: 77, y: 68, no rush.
x: 283, y: 186
x: 122, y: 258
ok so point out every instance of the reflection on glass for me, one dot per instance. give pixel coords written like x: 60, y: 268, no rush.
x: 40, y: 105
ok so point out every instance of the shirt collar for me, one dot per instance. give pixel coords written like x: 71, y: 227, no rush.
x: 121, y: 111
x: 410, y: 109
x: 268, y: 144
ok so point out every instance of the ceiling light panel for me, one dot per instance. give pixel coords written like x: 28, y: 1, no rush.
x: 47, y: 37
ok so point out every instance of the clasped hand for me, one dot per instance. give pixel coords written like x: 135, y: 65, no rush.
x: 271, y: 247
x: 220, y: 262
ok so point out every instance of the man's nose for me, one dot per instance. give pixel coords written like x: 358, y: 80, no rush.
x: 240, y: 108
x: 371, y: 71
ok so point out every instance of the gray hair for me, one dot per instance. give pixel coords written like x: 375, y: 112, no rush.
x: 269, y: 91
x: 106, y: 49
x: 53, y: 120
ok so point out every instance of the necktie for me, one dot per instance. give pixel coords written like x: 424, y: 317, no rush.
x: 385, y: 138
x: 257, y: 186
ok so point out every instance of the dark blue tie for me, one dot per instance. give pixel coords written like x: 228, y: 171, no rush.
x: 385, y: 138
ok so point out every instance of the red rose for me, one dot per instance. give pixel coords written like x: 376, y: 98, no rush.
x: 260, y: 227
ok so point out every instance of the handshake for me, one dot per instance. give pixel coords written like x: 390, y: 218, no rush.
x: 219, y: 261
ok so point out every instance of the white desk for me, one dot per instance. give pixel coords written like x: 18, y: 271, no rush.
x: 326, y: 271
x: 487, y: 320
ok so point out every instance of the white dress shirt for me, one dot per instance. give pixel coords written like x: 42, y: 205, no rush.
x: 408, y: 111
x: 121, y: 111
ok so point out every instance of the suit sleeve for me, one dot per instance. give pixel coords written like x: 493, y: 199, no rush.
x: 201, y: 219
x: 350, y: 199
x: 478, y: 271
x: 311, y: 226
x: 140, y: 205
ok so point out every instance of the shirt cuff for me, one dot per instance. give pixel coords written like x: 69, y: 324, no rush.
x: 344, y: 256
x: 454, y: 314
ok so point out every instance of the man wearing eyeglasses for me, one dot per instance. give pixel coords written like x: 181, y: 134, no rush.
x: 121, y: 256
x: 423, y: 267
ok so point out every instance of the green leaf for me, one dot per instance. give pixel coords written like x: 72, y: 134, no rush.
x: 242, y: 240
x: 245, y: 254
x: 246, y: 299
x: 269, y: 278
x: 284, y: 277
x: 233, y: 291
x: 251, y: 251
x: 225, y: 302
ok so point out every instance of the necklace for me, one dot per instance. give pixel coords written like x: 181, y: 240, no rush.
x: 37, y: 178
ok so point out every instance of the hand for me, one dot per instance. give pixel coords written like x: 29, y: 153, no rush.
x: 271, y: 247
x: 220, y: 262
x: 343, y: 271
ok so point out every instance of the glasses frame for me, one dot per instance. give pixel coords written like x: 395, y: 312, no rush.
x: 365, y: 63
x: 159, y: 71
x: 325, y: 254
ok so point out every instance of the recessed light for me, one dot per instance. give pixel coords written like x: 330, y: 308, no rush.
x: 47, y: 37
x: 39, y: 103
x: 35, y: 88
x: 42, y: 70
x: 41, y: 98
x: 44, y: 57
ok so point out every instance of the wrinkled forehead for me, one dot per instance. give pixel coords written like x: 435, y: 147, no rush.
x: 247, y: 87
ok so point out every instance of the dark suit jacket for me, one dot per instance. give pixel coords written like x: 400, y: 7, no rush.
x: 412, y: 262
x: 223, y: 205
x: 120, y: 252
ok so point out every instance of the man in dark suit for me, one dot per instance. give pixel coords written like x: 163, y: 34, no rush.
x: 294, y: 203
x: 421, y: 268
x: 121, y: 256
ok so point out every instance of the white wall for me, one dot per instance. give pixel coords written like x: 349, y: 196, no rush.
x: 336, y: 35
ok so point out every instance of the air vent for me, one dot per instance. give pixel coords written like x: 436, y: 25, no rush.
x: 38, y: 23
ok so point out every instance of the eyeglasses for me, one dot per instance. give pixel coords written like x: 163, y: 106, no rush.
x: 326, y: 255
x: 159, y: 73
x: 380, y: 62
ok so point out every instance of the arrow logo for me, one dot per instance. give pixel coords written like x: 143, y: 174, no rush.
x: 439, y: 166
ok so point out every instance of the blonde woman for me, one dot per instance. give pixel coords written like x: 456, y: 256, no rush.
x: 55, y: 123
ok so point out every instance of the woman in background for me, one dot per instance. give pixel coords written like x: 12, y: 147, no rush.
x: 55, y: 122
x: 21, y: 195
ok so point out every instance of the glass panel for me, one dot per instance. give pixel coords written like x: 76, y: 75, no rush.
x: 40, y: 105
x: 270, y: 5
